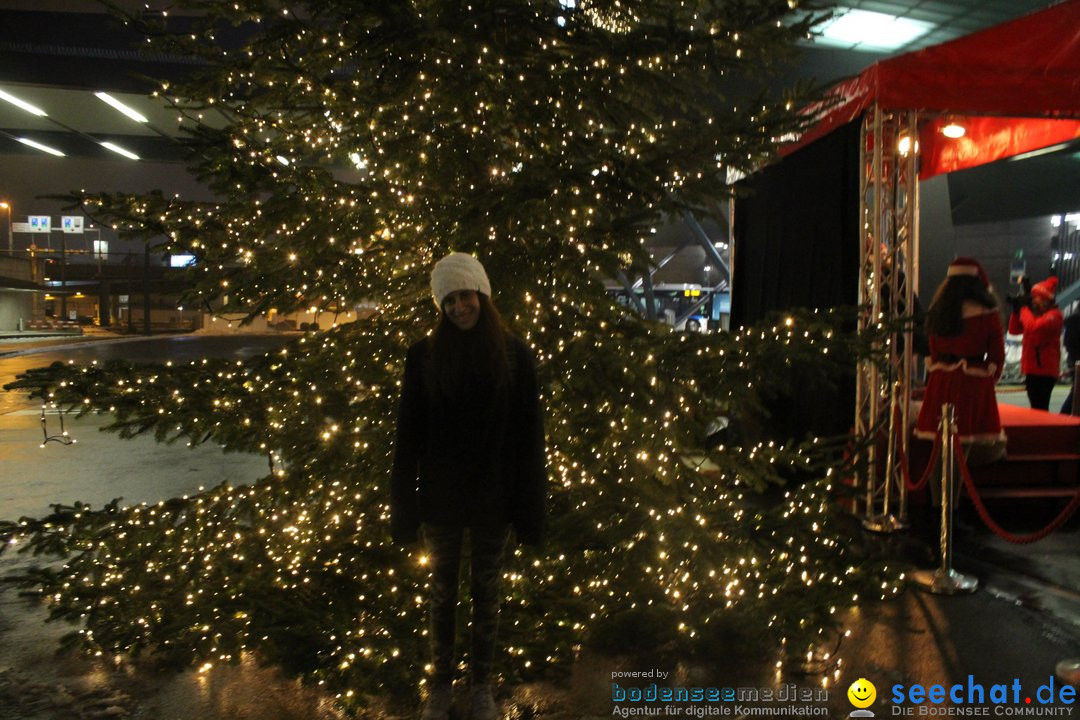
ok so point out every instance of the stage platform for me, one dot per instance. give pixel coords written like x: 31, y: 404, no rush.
x: 1042, y: 456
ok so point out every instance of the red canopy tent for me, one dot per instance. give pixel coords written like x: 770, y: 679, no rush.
x: 819, y: 228
x: 1028, y: 68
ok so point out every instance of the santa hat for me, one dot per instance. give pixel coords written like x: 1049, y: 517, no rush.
x: 967, y: 266
x: 458, y: 271
x: 1047, y: 289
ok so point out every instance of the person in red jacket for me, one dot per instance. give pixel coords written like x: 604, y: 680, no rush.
x: 1040, y: 323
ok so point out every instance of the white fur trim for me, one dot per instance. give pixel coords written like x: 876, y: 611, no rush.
x: 962, y: 365
x: 962, y: 270
x: 987, y: 438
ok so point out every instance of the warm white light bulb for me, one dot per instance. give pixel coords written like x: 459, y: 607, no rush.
x: 952, y: 130
x: 904, y: 146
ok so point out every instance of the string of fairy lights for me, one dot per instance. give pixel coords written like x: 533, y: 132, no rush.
x: 356, y: 150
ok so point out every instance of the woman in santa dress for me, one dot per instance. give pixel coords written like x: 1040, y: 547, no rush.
x: 967, y: 355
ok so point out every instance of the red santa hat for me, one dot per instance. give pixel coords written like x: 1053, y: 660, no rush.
x: 967, y: 266
x: 1047, y: 289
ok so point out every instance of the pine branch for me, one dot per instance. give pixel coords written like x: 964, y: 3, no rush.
x: 352, y: 145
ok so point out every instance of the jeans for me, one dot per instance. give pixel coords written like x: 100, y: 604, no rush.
x: 444, y: 544
x: 1039, y: 388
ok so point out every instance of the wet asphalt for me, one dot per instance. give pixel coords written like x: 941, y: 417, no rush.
x: 1023, y: 619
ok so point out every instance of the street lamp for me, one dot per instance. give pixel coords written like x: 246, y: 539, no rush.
x: 10, y: 244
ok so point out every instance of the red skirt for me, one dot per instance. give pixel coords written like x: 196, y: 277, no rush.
x: 971, y: 391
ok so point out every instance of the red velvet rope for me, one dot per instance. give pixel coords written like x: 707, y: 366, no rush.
x: 934, y: 453
x: 1004, y: 534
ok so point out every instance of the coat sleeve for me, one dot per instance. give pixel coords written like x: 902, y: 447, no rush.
x: 530, y: 492
x: 1043, y: 329
x: 1016, y: 321
x: 1042, y: 341
x: 408, y: 443
x: 1072, y: 336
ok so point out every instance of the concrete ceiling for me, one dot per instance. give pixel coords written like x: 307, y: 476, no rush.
x: 56, y: 53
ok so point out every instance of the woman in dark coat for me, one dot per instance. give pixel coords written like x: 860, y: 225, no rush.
x: 468, y: 464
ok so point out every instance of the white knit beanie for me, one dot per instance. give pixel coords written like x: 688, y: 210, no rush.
x: 458, y: 271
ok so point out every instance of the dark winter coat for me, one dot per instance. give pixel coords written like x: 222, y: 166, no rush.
x: 1072, y: 339
x: 472, y: 461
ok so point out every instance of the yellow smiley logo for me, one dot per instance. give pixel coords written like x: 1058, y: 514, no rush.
x: 862, y: 693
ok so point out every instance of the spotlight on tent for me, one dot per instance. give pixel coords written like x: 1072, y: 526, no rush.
x: 953, y: 130
x: 903, y: 146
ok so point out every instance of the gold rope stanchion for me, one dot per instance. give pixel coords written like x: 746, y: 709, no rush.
x: 944, y: 580
x: 886, y: 522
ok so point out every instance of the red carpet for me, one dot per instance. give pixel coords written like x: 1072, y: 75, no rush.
x: 1036, y: 432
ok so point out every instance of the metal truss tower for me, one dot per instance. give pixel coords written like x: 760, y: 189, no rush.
x: 889, y: 247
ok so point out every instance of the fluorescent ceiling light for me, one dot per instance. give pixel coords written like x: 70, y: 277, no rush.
x: 33, y: 109
x: 119, y: 150
x: 39, y: 146
x: 865, y: 30
x: 130, y: 112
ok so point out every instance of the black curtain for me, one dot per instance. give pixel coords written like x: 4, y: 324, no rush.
x: 797, y: 246
x: 797, y: 231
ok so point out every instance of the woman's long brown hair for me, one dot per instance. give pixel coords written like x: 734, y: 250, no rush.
x: 945, y: 318
x: 460, y: 356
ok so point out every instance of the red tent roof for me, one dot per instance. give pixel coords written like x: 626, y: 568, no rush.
x: 1027, y: 67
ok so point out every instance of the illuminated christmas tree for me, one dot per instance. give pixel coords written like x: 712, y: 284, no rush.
x: 349, y: 146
